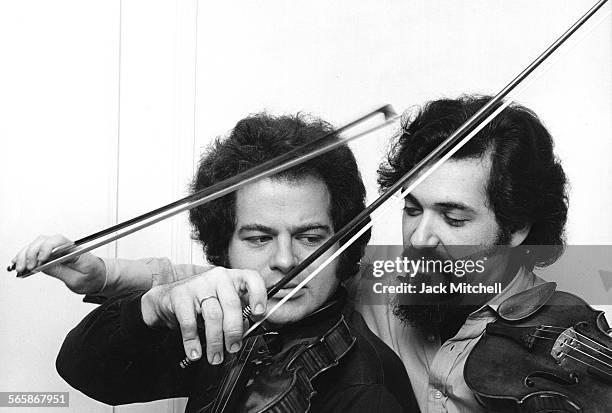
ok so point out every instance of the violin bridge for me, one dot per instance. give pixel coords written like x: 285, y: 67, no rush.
x: 566, y: 341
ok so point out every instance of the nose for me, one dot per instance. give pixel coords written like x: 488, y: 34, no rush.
x: 420, y: 231
x: 283, y: 258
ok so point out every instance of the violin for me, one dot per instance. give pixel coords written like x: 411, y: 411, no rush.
x: 556, y: 358
x: 274, y: 371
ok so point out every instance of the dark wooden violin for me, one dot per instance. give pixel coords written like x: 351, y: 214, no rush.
x: 274, y: 371
x: 556, y: 357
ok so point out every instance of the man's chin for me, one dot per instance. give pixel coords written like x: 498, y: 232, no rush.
x: 289, y: 312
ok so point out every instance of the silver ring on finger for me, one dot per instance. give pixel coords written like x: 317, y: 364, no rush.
x: 208, y: 297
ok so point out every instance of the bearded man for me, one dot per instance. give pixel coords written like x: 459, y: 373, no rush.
x: 500, y: 193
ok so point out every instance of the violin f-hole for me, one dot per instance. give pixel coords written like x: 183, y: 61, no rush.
x: 532, y: 379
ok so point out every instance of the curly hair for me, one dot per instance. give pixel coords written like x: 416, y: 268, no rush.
x: 526, y: 185
x: 260, y: 138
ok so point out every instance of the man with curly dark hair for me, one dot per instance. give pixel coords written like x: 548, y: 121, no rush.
x: 501, y: 196
x: 128, y: 349
x: 260, y: 138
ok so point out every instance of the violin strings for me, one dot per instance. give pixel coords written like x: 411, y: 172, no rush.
x: 590, y: 365
x: 577, y: 333
x: 588, y: 355
x: 223, y: 382
x: 593, y: 357
x: 535, y: 335
x: 562, y: 330
x: 222, y: 385
x: 574, y: 348
x: 584, y: 344
x: 249, y: 350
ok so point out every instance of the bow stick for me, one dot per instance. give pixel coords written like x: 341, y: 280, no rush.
x: 288, y: 160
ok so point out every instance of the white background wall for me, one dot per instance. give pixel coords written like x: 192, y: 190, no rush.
x: 105, y: 105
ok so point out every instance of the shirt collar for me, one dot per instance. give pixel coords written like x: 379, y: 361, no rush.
x: 523, y: 280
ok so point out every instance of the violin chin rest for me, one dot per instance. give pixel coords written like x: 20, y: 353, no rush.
x: 526, y: 303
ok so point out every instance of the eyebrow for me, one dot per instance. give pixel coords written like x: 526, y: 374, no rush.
x: 295, y: 230
x: 443, y: 205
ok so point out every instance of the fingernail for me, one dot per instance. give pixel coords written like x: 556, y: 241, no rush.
x: 216, y: 358
x: 235, y: 347
x: 194, y: 354
x: 259, y: 309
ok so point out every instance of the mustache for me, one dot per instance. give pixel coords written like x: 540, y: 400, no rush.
x: 429, y: 253
x: 457, y: 252
x: 428, y: 265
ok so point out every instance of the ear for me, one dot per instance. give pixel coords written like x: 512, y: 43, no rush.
x: 519, y: 235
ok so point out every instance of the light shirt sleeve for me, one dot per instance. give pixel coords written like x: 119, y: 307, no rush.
x: 143, y: 274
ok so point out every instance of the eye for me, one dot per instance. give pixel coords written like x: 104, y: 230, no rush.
x: 411, y: 211
x: 258, y: 240
x: 311, y: 239
x: 454, y: 222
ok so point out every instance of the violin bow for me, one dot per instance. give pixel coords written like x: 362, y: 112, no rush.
x: 418, y: 173
x: 278, y: 164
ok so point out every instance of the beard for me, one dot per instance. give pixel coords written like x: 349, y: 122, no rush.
x: 429, y: 311
x: 444, y: 319
x: 440, y: 313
